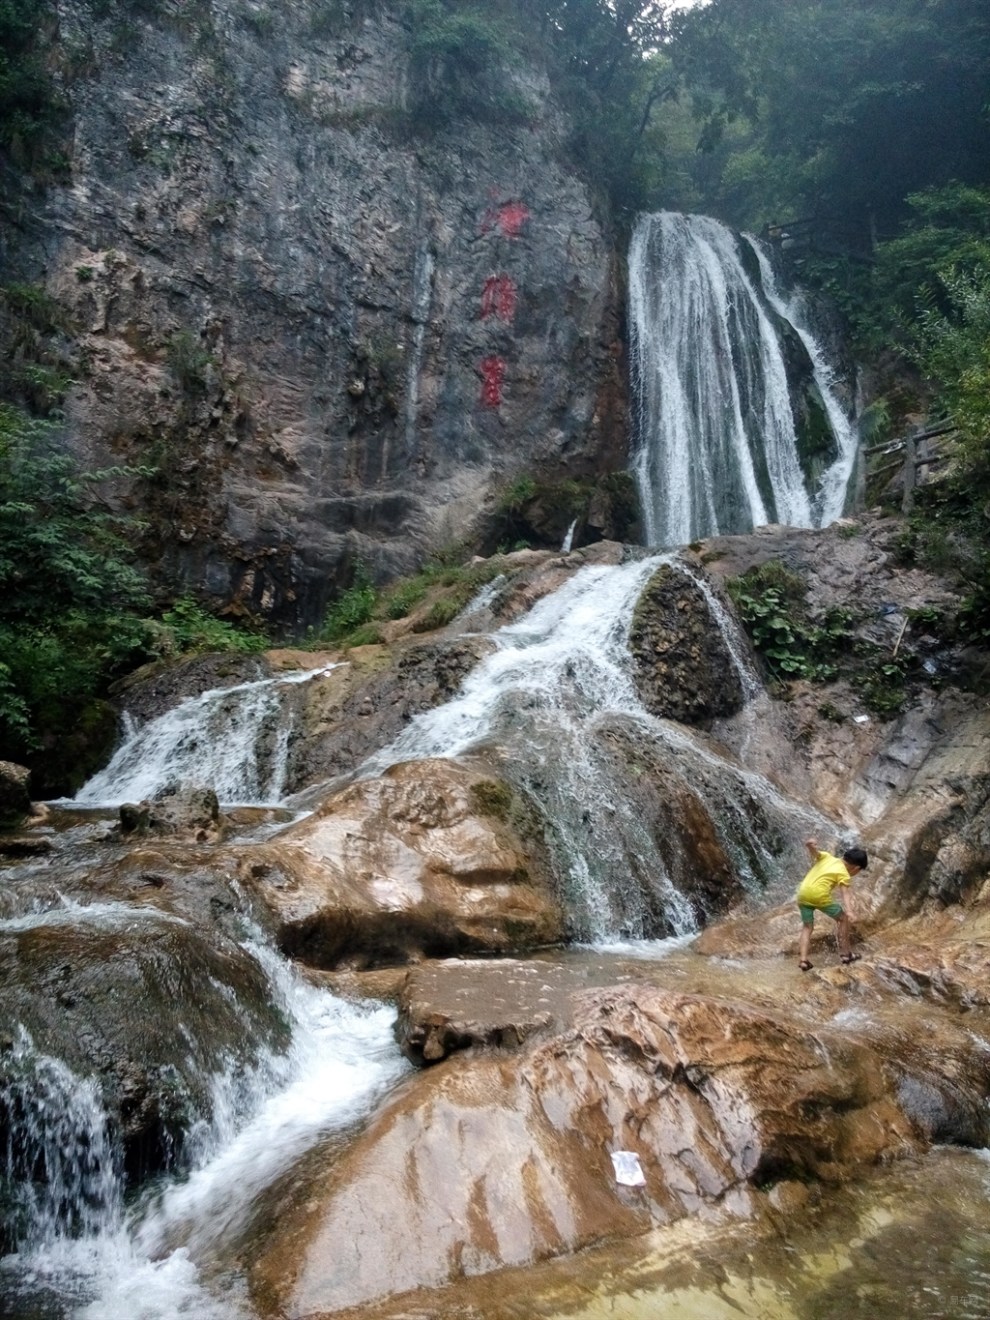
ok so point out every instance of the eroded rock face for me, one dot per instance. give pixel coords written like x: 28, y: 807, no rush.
x: 421, y: 860
x: 683, y: 668
x: 15, y: 795
x: 346, y: 328
x: 486, y: 1162
x: 186, y: 810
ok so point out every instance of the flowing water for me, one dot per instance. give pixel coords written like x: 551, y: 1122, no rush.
x: 551, y: 704
x: 548, y: 703
x: 716, y: 440
x: 234, y: 740
x: 85, y: 1252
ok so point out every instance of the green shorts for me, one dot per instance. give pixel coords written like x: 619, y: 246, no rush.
x: 833, y: 910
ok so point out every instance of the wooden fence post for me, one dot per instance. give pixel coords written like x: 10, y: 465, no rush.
x: 910, y: 472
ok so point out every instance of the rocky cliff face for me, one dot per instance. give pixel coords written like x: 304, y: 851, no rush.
x: 334, y: 333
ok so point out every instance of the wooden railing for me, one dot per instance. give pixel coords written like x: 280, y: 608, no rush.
x: 923, y: 448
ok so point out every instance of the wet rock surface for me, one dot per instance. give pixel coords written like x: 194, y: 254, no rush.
x: 684, y: 670
x: 420, y: 860
x: 499, y: 1161
x: 456, y: 1004
x: 15, y: 794
x: 137, y: 998
x: 272, y: 267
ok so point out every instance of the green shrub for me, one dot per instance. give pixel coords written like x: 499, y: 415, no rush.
x: 188, y: 361
x: 71, y: 599
x: 770, y: 600
x: 187, y: 628
x: 461, y: 58
x: 354, y: 608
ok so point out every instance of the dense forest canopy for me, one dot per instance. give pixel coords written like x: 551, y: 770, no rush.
x: 868, y: 119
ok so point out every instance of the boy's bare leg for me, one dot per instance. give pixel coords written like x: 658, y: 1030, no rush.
x: 843, y: 931
x: 805, y: 945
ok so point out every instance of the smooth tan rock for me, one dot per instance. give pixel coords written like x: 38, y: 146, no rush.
x: 405, y: 864
x: 494, y: 1162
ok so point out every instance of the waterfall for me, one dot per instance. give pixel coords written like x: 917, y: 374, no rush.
x: 419, y: 315
x: 716, y: 441
x: 234, y: 740
x: 82, y: 1251
x: 545, y: 702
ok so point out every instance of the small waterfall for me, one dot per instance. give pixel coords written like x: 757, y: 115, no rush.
x: 82, y: 1252
x: 234, y: 740
x: 59, y: 1169
x: 420, y: 315
x: 568, y: 543
x: 716, y: 447
x: 550, y: 702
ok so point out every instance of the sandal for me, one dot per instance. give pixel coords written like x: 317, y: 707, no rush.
x: 805, y: 966
x: 848, y: 958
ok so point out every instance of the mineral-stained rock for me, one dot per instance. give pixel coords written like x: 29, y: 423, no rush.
x: 485, y: 1162
x: 280, y: 278
x: 457, y: 1003
x: 409, y: 863
x: 187, y: 810
x: 683, y: 667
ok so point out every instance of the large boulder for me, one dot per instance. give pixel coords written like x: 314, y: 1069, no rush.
x: 487, y: 1162
x: 139, y: 1000
x: 684, y: 667
x: 423, y: 860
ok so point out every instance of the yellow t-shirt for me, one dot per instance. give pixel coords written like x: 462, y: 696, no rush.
x: 815, y: 890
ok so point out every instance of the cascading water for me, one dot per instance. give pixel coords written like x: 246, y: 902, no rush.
x: 234, y: 740
x: 82, y: 1252
x: 716, y: 443
x: 545, y: 703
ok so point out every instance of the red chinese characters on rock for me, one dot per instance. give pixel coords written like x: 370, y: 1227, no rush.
x: 492, y: 377
x: 510, y: 218
x: 498, y: 298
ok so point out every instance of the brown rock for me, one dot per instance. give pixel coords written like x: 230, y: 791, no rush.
x: 15, y: 797
x: 392, y: 867
x: 684, y: 670
x: 497, y: 1162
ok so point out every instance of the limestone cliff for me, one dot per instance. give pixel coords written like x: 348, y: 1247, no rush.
x: 334, y: 331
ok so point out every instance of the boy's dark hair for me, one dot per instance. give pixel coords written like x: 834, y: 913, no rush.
x: 855, y: 857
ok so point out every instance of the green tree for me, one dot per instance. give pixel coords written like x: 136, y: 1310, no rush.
x: 30, y: 106
x: 71, y: 598
x: 849, y: 107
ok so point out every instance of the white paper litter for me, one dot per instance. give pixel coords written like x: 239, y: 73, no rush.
x: 628, y: 1170
x: 861, y: 719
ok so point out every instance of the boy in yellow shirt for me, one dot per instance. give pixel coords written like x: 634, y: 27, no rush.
x: 815, y: 894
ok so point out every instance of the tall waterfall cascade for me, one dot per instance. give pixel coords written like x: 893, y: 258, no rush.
x: 717, y: 447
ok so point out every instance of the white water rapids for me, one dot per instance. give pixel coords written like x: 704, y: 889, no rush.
x: 543, y: 704
x: 89, y: 1257
x: 552, y: 704
x: 234, y: 740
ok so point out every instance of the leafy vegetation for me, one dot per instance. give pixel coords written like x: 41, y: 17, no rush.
x: 771, y: 604
x: 355, y: 617
x: 71, y: 597
x: 794, y: 643
x: 31, y: 108
x: 462, y: 59
x: 74, y: 605
x: 832, y: 109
